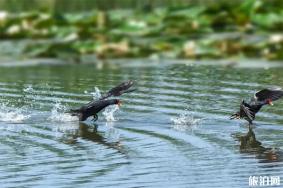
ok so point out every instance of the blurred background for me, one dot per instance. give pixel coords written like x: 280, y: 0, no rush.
x: 85, y: 5
x: 105, y: 29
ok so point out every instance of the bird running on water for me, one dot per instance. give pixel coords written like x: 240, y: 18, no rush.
x: 263, y: 97
x: 95, y: 106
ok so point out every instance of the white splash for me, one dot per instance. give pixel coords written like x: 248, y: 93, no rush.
x: 108, y: 113
x: 28, y: 89
x: 96, y: 94
x: 58, y: 114
x: 14, y: 115
x: 30, y: 97
x: 186, y: 121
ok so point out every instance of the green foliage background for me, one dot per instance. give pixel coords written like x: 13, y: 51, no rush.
x: 134, y: 29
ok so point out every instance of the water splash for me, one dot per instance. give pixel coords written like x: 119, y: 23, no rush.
x: 14, y: 115
x: 186, y: 121
x: 29, y: 96
x: 96, y: 94
x: 108, y: 113
x: 28, y: 89
x: 58, y: 114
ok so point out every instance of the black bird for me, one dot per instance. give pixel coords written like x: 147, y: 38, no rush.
x: 92, y: 108
x: 261, y: 98
x: 95, y: 106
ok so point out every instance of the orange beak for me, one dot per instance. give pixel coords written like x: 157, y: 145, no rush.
x: 270, y: 102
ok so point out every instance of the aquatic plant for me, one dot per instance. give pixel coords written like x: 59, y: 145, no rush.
x: 248, y: 28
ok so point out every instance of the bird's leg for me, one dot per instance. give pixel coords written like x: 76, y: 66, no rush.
x: 95, y: 117
x: 95, y: 128
x: 250, y: 126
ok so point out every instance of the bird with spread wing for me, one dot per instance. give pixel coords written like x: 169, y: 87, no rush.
x: 95, y: 106
x: 263, y: 97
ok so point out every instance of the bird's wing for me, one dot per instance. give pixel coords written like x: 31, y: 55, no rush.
x: 130, y: 90
x: 245, y: 111
x: 273, y: 94
x: 119, y: 89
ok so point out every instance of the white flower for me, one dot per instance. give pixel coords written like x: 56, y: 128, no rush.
x: 190, y: 48
x: 3, y: 15
x: 276, y: 38
x: 71, y: 37
x: 13, y: 29
x: 138, y: 24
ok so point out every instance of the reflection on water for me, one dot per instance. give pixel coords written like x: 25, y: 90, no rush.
x: 150, y: 142
x: 250, y: 145
x: 90, y: 132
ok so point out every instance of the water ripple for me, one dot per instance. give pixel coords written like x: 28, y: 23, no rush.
x: 174, y: 130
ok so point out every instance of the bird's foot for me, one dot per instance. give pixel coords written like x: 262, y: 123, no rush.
x: 95, y: 117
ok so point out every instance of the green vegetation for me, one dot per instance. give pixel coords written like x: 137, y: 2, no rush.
x: 250, y: 28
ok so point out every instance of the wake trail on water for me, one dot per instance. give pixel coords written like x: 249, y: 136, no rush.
x: 12, y: 114
x: 59, y: 112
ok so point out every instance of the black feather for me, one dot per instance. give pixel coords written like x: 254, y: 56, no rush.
x: 119, y: 90
x: 249, y: 110
x: 273, y: 94
x: 92, y: 108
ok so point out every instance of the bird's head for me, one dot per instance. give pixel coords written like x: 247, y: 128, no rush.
x: 269, y: 102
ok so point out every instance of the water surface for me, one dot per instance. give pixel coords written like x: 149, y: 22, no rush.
x: 174, y: 130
